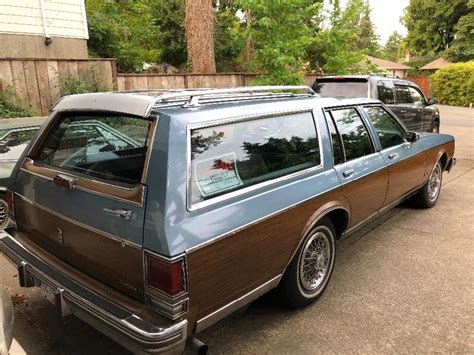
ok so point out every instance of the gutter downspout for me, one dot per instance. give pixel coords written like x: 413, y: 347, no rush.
x: 43, y: 16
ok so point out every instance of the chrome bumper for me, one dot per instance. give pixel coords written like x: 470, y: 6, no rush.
x: 107, y: 317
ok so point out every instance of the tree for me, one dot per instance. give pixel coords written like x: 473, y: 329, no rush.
x: 334, y: 48
x: 431, y: 24
x: 281, y: 31
x: 168, y: 17
x: 122, y: 30
x: 199, y: 26
x: 462, y: 47
x: 391, y: 48
x: 367, y: 39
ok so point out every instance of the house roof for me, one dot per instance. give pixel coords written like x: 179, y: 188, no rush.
x: 436, y: 64
x: 387, y: 64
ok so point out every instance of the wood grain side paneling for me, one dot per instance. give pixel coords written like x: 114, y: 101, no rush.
x: 235, y: 264
x: 103, y: 258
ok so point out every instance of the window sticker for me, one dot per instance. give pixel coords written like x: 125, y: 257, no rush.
x: 217, y: 174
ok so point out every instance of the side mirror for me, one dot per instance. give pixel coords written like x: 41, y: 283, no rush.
x: 412, y: 136
x: 430, y: 101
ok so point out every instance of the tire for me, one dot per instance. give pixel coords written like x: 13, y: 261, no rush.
x: 429, y: 193
x: 296, y: 288
x: 435, y: 127
x: 4, y: 221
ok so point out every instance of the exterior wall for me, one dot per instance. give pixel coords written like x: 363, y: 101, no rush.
x: 28, y: 46
x: 24, y: 25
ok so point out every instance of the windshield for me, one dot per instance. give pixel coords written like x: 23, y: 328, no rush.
x: 341, y: 87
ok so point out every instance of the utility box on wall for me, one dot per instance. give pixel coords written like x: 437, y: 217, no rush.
x: 43, y: 29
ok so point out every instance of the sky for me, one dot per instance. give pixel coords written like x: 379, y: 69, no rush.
x: 386, y: 17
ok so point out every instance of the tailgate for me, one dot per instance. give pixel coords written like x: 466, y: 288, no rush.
x: 79, y: 195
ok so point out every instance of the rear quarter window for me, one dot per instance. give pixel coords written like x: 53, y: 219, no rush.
x: 237, y: 155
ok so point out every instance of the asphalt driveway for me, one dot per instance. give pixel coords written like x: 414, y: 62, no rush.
x: 403, y: 284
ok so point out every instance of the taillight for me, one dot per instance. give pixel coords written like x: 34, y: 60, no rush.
x: 166, y: 276
x: 10, y: 203
x: 166, y: 289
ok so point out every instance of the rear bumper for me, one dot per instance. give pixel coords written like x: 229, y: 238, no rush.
x: 107, y: 317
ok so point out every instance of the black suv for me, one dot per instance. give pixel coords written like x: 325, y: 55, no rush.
x: 403, y: 97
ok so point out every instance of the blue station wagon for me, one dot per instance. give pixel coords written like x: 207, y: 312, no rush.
x: 152, y: 215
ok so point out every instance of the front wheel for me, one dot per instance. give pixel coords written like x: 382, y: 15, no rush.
x: 429, y: 193
x: 309, y: 272
x: 3, y: 212
x: 435, y: 127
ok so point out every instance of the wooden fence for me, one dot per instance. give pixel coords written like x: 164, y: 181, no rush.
x: 35, y: 82
x: 423, y: 82
x: 179, y: 81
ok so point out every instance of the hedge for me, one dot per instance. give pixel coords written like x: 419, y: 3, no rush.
x: 454, y: 84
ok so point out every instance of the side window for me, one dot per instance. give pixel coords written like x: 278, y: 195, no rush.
x: 403, y: 94
x: 233, y: 156
x: 76, y: 144
x: 390, y: 133
x: 417, y: 96
x: 385, y: 92
x: 19, y: 137
x: 337, y: 151
x: 355, y: 137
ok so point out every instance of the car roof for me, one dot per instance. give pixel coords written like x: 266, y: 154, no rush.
x: 140, y: 105
x: 397, y: 80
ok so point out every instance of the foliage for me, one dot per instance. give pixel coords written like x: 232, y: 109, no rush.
x: 462, y: 47
x: 367, y: 39
x: 391, y: 49
x: 90, y: 82
x: 417, y: 63
x: 282, y: 31
x: 10, y: 107
x: 122, y: 30
x: 431, y: 24
x: 168, y: 17
x: 336, y: 49
x: 454, y: 84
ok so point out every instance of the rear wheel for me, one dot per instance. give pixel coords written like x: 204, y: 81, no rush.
x: 429, y: 193
x: 309, y: 272
x: 3, y: 212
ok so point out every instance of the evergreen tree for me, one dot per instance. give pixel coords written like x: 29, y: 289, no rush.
x: 391, y: 48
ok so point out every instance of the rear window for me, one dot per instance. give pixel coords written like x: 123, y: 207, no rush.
x: 237, y: 155
x: 108, y: 147
x: 341, y: 87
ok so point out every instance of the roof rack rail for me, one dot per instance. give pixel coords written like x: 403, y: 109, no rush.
x: 157, y: 91
x: 192, y: 98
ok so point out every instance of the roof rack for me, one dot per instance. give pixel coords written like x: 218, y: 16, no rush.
x: 193, y: 98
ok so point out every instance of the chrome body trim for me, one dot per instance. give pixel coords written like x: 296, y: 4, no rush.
x: 231, y: 307
x: 119, y: 323
x: 226, y: 196
x: 123, y: 242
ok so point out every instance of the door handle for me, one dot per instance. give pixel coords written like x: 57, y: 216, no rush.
x: 393, y: 156
x: 348, y: 173
x: 125, y: 214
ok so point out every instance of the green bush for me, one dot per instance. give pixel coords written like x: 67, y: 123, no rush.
x: 90, y: 82
x: 454, y: 84
x: 10, y: 107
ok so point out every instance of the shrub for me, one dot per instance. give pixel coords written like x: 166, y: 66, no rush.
x: 11, y: 107
x: 454, y: 84
x: 90, y: 82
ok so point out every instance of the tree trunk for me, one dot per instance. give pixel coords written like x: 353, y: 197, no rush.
x: 249, y: 43
x: 200, y: 35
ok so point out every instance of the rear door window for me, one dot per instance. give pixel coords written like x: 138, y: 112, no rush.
x: 107, y: 147
x: 354, y: 134
x: 385, y: 92
x: 341, y: 87
x: 403, y: 94
x: 233, y: 156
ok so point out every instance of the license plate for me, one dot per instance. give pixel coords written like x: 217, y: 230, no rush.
x: 47, y: 292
